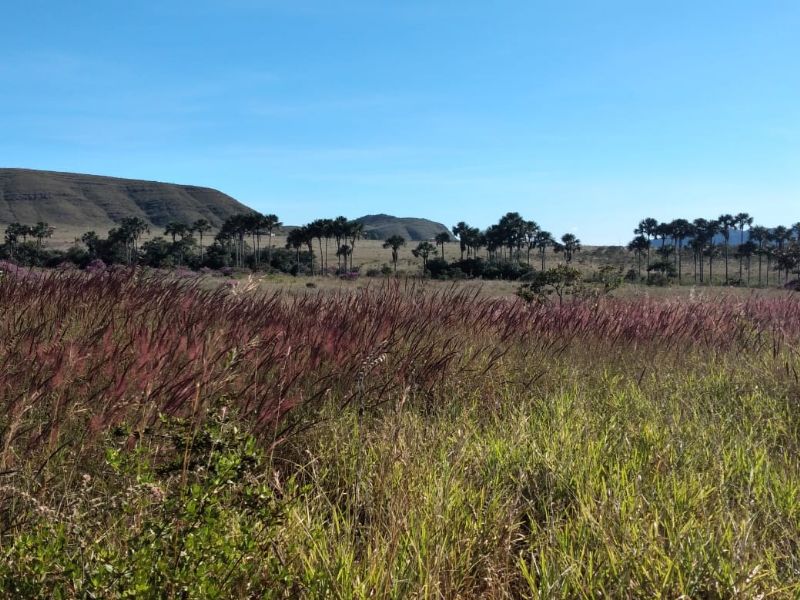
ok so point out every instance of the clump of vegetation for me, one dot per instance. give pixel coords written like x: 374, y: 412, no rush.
x: 189, y: 511
x: 564, y: 281
x: 558, y: 281
x: 162, y: 439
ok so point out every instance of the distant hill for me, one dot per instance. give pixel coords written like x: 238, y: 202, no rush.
x: 94, y: 202
x: 719, y: 239
x: 380, y: 227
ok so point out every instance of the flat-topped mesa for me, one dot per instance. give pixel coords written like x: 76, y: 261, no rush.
x: 75, y: 200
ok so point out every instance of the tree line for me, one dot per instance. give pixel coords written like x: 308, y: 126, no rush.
x: 708, y: 240
x: 508, y: 249
x: 247, y: 241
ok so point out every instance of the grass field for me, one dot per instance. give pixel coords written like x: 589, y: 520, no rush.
x: 485, y: 288
x: 168, y: 439
x: 370, y: 254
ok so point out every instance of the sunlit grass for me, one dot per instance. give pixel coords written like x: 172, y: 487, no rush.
x: 442, y: 446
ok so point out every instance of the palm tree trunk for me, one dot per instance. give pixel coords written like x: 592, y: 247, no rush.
x: 255, y: 238
x: 711, y: 267
x: 759, y: 269
x: 726, y: 262
x: 702, y: 264
x: 749, y: 259
x: 741, y: 258
x: 269, y: 248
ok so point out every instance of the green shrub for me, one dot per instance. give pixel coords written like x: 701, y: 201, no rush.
x: 190, y: 519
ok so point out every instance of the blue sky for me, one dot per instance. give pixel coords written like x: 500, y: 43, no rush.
x: 584, y: 116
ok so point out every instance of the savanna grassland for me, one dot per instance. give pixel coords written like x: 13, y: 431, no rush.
x: 163, y: 438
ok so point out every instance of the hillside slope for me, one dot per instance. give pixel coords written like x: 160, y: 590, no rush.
x: 94, y: 202
x: 380, y: 227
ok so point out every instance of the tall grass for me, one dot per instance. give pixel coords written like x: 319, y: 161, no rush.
x: 162, y: 439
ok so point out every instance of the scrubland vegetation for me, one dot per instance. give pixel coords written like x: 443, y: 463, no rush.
x: 702, y: 252
x: 162, y: 439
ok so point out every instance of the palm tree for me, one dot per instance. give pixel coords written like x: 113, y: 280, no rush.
x: 663, y: 231
x: 726, y: 223
x: 703, y: 245
x: 339, y: 231
x: 307, y: 236
x: 317, y: 229
x: 295, y: 240
x: 40, y: 231
x: 746, y: 251
x: 237, y: 227
x: 781, y: 236
x: 253, y: 224
x: 441, y: 239
x: 328, y: 230
x: 394, y: 242
x: 18, y: 230
x: 201, y: 226
x: 769, y: 254
x: 132, y: 229
x: 639, y: 246
x: 25, y: 231
x: 785, y: 241
x: 184, y: 244
x: 174, y: 229
x: 786, y: 261
x: 542, y: 241
x: 343, y: 252
x: 741, y: 220
x: 712, y: 229
x: 647, y: 227
x: 570, y: 245
x: 510, y: 231
x: 494, y: 241
x: 13, y: 233
x: 244, y: 225
x: 355, y: 229
x: 477, y: 240
x: 423, y: 251
x: 698, y: 244
x: 270, y: 223
x: 461, y: 231
x: 531, y: 230
x: 681, y: 229
x: 92, y: 241
x: 759, y: 235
